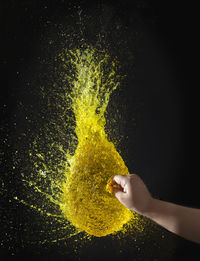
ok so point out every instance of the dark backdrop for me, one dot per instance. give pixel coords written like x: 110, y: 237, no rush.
x: 159, y: 101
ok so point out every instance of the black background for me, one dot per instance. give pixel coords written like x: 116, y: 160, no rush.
x: 160, y: 93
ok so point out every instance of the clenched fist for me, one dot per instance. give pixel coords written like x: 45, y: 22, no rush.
x: 131, y: 191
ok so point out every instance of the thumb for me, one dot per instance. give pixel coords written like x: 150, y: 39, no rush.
x: 118, y: 193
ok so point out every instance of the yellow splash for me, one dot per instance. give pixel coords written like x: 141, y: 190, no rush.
x: 72, y: 184
x: 86, y: 201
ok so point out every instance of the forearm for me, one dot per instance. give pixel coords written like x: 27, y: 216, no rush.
x: 180, y: 220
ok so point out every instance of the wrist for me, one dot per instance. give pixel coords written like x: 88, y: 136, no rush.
x: 151, y: 208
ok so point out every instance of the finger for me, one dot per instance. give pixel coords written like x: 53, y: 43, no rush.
x: 113, y: 183
x: 120, y: 179
x: 116, y: 189
x: 119, y: 195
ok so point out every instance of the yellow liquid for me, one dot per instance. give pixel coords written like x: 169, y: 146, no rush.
x: 87, y: 203
x: 76, y: 181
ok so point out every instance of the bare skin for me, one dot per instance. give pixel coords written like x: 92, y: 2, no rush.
x: 131, y: 191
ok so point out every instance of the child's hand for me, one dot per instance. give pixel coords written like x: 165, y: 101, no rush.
x: 131, y: 191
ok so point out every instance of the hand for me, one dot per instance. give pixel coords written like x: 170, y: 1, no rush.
x: 131, y: 191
